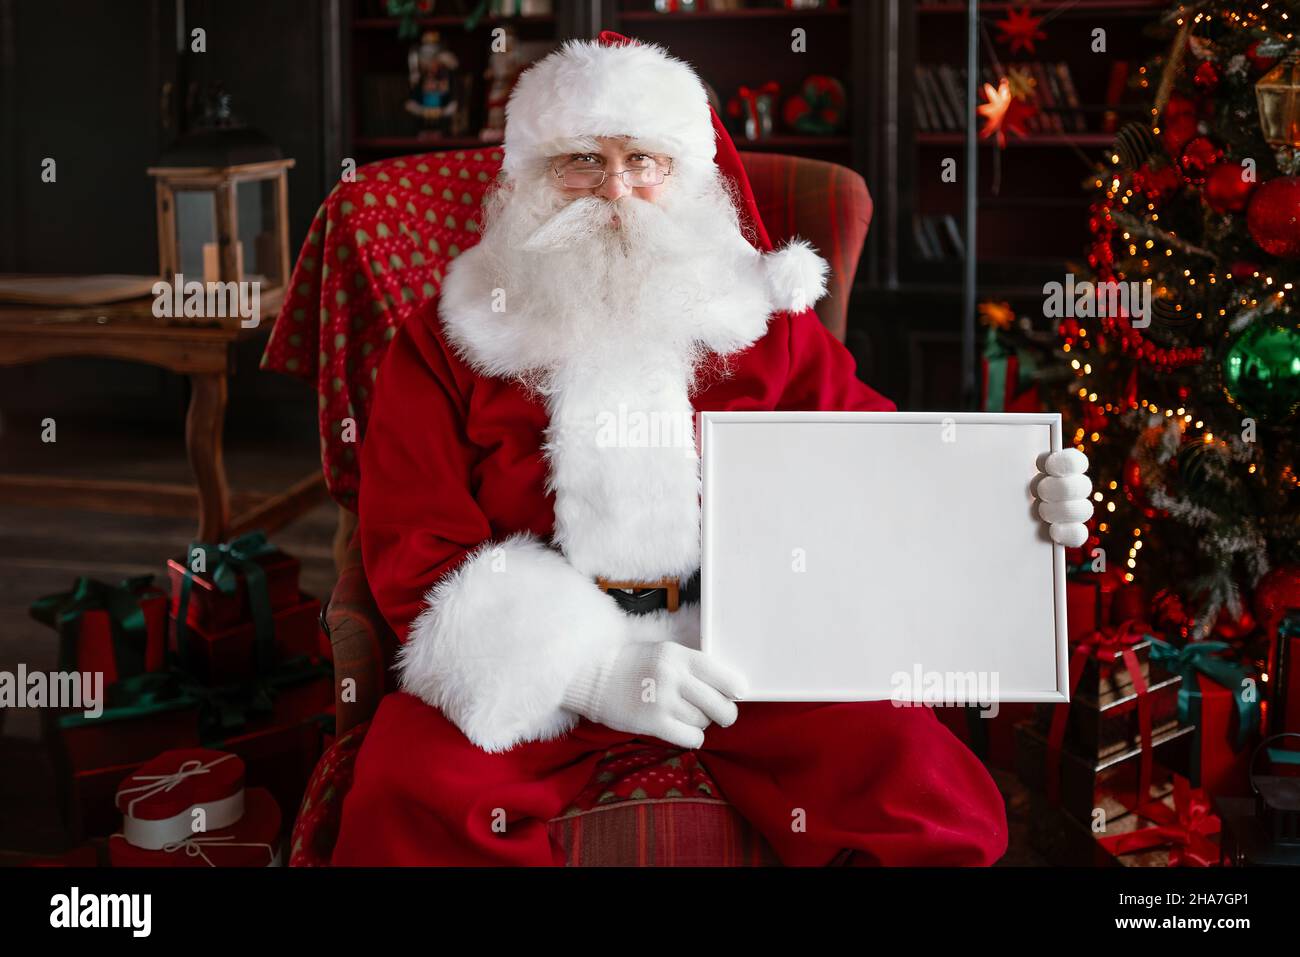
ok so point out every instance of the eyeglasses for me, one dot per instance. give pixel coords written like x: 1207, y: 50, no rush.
x: 577, y: 175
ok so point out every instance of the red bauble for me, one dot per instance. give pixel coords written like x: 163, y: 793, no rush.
x: 1242, y: 268
x: 1261, y: 63
x: 1273, y: 217
x: 1199, y: 157
x: 1228, y: 628
x: 1226, y: 189
x: 1206, y: 78
x: 1157, y: 185
x: 1178, y: 131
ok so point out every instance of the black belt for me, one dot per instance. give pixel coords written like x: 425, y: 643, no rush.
x: 642, y: 601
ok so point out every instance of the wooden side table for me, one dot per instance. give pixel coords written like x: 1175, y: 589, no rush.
x: 201, y: 349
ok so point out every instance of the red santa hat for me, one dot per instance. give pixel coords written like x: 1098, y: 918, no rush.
x: 617, y: 86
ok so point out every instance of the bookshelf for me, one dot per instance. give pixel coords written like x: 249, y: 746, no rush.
x: 1031, y: 209
x: 751, y: 45
x: 375, y: 123
x: 906, y: 321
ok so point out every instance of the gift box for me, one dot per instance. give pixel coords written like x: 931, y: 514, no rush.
x: 209, y: 607
x: 1220, y: 756
x: 1006, y: 378
x: 1179, y: 829
x: 166, y: 799
x: 275, y: 727
x: 233, y: 580
x: 119, y: 630
x: 1112, y: 783
x: 220, y: 588
x: 1219, y: 698
x: 252, y: 841
x: 1097, y: 600
x: 237, y: 653
x: 1110, y: 724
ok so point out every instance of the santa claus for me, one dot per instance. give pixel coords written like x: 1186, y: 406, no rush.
x: 543, y: 577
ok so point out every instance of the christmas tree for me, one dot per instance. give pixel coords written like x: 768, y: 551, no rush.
x: 1181, y: 382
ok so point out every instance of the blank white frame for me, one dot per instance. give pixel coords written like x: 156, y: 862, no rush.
x: 766, y: 432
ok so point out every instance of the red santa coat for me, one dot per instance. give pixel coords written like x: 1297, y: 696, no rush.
x: 454, y: 459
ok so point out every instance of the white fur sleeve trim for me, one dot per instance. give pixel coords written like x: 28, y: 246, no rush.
x: 796, y: 275
x: 501, y: 637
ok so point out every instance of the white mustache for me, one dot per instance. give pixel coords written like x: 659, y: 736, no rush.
x: 641, y: 224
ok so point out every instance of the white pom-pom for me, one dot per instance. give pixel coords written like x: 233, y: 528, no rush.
x: 796, y: 275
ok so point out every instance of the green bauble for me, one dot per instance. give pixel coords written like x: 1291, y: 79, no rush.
x: 1261, y: 370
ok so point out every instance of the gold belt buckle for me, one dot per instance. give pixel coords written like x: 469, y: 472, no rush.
x: 671, y: 585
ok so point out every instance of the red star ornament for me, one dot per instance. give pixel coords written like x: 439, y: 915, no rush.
x: 1020, y: 29
x: 1003, y: 112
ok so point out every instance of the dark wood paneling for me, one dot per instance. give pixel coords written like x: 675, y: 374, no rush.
x: 269, y: 57
x: 85, y: 92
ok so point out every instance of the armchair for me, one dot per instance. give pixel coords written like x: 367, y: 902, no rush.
x: 374, y: 243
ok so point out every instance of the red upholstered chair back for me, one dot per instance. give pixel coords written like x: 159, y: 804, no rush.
x: 825, y: 203
x: 378, y: 247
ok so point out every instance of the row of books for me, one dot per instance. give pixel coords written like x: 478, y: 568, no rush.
x: 938, y: 237
x: 941, y: 105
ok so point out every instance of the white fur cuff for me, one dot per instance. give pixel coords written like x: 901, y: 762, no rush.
x: 502, y: 636
x: 796, y: 275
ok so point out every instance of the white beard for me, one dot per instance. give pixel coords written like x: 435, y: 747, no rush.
x: 608, y: 323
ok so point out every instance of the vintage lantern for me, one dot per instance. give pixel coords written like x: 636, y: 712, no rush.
x: 223, y: 204
x: 1278, y: 96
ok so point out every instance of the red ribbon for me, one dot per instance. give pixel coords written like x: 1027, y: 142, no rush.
x: 1103, y: 646
x: 1188, y: 827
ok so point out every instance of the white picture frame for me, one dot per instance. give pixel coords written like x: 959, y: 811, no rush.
x: 960, y: 544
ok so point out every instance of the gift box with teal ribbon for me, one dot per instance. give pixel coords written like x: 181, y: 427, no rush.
x: 1007, y: 377
x: 119, y: 630
x: 237, y: 610
x: 219, y: 586
x: 232, y: 655
x: 1220, y: 698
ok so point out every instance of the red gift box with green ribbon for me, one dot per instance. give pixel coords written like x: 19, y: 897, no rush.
x: 1007, y: 378
x: 1220, y: 698
x: 237, y: 653
x: 215, y: 587
x: 119, y: 630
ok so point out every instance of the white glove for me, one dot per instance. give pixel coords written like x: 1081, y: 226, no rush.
x: 1063, y: 497
x: 661, y: 689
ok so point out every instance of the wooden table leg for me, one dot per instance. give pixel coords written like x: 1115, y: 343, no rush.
x: 204, y: 424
